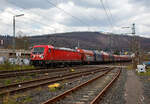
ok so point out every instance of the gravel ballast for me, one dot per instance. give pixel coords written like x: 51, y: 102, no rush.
x: 41, y: 94
x: 115, y: 95
x: 145, y: 79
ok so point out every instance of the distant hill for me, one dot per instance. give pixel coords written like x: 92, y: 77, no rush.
x: 87, y: 40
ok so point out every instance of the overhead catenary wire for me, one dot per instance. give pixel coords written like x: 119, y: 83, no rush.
x: 39, y: 15
x: 33, y: 19
x: 109, y: 21
x: 10, y: 25
x: 109, y: 11
x: 76, y: 18
x: 112, y: 19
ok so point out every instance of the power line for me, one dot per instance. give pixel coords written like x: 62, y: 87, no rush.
x: 34, y: 19
x: 39, y: 15
x: 111, y: 18
x: 76, y: 18
x: 109, y: 11
x: 109, y: 21
x: 26, y: 23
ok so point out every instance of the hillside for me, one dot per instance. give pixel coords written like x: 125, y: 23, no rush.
x: 89, y: 40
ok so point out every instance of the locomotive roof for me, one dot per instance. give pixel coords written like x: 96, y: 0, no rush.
x: 60, y: 48
x: 49, y: 46
x: 104, y: 53
x: 63, y: 48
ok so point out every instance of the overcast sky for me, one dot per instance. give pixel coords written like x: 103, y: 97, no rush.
x: 50, y: 16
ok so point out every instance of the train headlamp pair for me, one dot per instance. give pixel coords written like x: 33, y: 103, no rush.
x: 41, y: 56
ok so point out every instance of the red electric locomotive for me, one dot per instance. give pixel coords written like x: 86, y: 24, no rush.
x: 49, y: 55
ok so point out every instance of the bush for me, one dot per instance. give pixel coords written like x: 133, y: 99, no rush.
x: 8, y: 66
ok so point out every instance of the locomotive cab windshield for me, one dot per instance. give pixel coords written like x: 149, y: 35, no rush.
x: 38, y: 50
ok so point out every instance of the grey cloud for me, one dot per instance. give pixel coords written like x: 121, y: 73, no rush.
x: 85, y: 21
x: 141, y: 2
x: 123, y: 12
x: 3, y: 5
x: 84, y: 3
x: 30, y: 4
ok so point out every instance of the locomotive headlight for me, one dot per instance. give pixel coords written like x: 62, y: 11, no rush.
x: 33, y: 56
x: 42, y: 56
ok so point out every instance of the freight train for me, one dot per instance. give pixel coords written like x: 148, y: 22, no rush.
x: 48, y: 55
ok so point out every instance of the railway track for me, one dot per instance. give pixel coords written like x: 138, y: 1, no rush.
x: 25, y: 73
x: 16, y: 73
x: 9, y: 71
x: 89, y: 92
x: 38, y: 68
x: 18, y: 87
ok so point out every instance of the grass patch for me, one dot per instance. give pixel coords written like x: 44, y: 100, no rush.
x: 7, y: 82
x: 130, y: 67
x: 147, y: 73
x: 17, y: 99
x: 22, y: 79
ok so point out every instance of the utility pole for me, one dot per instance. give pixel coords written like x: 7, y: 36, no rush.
x: 14, y: 34
x: 14, y: 44
x: 133, y: 40
x: 78, y: 44
x: 110, y: 43
x: 135, y: 47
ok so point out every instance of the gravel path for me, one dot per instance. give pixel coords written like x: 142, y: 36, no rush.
x: 145, y: 80
x: 134, y: 91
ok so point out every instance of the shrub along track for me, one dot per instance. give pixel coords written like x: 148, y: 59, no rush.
x: 89, y: 92
x: 19, y: 87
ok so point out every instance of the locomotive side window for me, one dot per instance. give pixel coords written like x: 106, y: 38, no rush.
x: 49, y: 50
x: 38, y: 50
